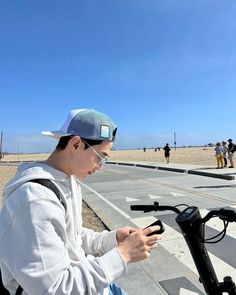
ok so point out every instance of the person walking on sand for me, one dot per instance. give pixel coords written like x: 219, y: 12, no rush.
x: 231, y: 150
x: 225, y: 149
x: 219, y: 155
x: 167, y: 152
x: 44, y: 247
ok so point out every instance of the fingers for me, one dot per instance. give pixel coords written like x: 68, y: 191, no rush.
x: 151, y: 229
x: 152, y: 239
x: 137, y: 245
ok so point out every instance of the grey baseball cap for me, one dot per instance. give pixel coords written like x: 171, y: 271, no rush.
x: 87, y: 123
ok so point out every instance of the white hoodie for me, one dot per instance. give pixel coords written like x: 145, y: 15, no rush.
x: 43, y: 246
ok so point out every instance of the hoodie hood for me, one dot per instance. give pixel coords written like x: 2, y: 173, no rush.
x: 36, y: 170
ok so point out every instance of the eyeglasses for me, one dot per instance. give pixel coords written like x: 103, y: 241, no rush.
x: 103, y: 160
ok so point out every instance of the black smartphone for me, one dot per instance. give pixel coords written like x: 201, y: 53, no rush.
x: 157, y: 232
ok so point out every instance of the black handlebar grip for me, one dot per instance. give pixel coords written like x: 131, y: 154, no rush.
x: 141, y: 207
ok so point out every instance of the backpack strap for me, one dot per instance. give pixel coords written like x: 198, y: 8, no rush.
x: 19, y: 290
x: 50, y: 185
x: 4, y: 291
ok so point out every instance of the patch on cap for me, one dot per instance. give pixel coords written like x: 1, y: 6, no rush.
x: 105, y: 131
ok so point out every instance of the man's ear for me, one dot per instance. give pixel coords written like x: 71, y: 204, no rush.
x: 75, y: 142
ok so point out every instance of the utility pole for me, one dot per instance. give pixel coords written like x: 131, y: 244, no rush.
x: 1, y: 154
x: 175, y: 140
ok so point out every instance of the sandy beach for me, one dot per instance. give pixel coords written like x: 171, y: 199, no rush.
x: 193, y: 155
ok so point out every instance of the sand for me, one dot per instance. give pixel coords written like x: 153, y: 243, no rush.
x: 195, y: 155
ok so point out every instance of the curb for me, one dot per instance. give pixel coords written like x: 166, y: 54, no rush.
x: 173, y: 169
x: 125, y: 164
x: 222, y: 176
x: 179, y: 170
x: 146, y: 166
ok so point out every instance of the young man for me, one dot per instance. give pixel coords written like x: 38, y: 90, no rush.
x: 167, y: 152
x: 43, y: 246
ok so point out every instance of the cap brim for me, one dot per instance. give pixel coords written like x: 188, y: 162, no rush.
x: 55, y: 134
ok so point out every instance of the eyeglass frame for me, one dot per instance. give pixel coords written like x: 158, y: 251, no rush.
x: 103, y: 160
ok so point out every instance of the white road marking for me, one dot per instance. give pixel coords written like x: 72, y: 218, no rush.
x: 106, y: 201
x: 154, y: 197
x: 128, y: 199
x: 183, y: 291
x: 177, y: 194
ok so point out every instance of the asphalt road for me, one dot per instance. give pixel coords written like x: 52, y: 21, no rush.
x: 170, y: 270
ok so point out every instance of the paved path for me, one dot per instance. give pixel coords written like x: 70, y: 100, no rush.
x: 170, y: 269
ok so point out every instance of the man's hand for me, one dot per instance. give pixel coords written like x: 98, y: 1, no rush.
x: 123, y: 233
x: 135, y: 245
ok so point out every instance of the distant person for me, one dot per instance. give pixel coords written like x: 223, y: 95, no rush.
x: 167, y: 152
x: 219, y: 155
x: 44, y: 247
x: 225, y: 150
x: 144, y: 149
x: 231, y: 150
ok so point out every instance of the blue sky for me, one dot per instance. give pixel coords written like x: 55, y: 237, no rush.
x: 155, y: 67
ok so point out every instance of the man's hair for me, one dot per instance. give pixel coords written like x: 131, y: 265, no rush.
x: 63, y: 141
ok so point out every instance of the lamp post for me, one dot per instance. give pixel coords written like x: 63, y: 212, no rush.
x: 175, y: 140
